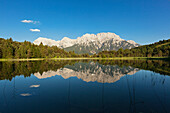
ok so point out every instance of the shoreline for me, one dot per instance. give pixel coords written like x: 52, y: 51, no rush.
x: 115, y: 58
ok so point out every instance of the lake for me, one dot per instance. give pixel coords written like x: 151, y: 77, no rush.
x: 85, y: 86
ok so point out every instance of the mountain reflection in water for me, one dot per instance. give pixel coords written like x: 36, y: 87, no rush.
x: 103, y: 86
x: 66, y: 68
x: 91, y: 72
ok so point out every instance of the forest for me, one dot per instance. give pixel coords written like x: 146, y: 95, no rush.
x: 158, y: 49
x: 10, y: 49
x: 13, y: 49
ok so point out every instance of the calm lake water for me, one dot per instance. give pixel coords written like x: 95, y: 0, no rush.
x: 133, y: 86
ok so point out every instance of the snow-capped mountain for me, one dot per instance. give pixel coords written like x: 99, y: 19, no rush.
x: 90, y: 43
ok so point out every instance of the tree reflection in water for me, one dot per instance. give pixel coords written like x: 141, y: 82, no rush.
x: 120, y: 85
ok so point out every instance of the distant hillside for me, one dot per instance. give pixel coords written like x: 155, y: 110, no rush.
x: 158, y: 49
x: 13, y: 49
x: 90, y: 43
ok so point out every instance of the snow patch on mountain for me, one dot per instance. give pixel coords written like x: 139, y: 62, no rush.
x: 46, y: 41
x: 109, y: 41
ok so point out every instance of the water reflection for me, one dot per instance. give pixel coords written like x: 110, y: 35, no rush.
x: 91, y: 72
x: 25, y: 94
x: 32, y: 86
x: 85, y: 86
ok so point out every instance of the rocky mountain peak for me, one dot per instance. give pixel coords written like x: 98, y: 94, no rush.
x: 65, y: 38
x: 133, y: 42
x: 46, y: 41
x: 91, y: 43
x: 87, y: 35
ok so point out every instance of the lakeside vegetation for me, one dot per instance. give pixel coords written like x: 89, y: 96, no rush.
x: 10, y: 49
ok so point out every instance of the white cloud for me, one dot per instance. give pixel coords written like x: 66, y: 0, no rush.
x: 27, y: 21
x: 35, y: 30
x: 30, y: 21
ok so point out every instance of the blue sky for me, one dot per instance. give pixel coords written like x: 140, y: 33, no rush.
x: 144, y: 21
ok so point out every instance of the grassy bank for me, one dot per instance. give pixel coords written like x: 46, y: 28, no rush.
x: 84, y: 58
x: 31, y: 59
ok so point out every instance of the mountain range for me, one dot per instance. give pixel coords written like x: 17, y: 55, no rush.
x: 90, y: 43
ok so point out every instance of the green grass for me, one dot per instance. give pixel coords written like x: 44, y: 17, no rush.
x: 31, y: 59
x: 80, y: 58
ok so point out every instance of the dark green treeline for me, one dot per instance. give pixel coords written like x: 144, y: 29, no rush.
x: 13, y: 49
x: 158, y: 49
